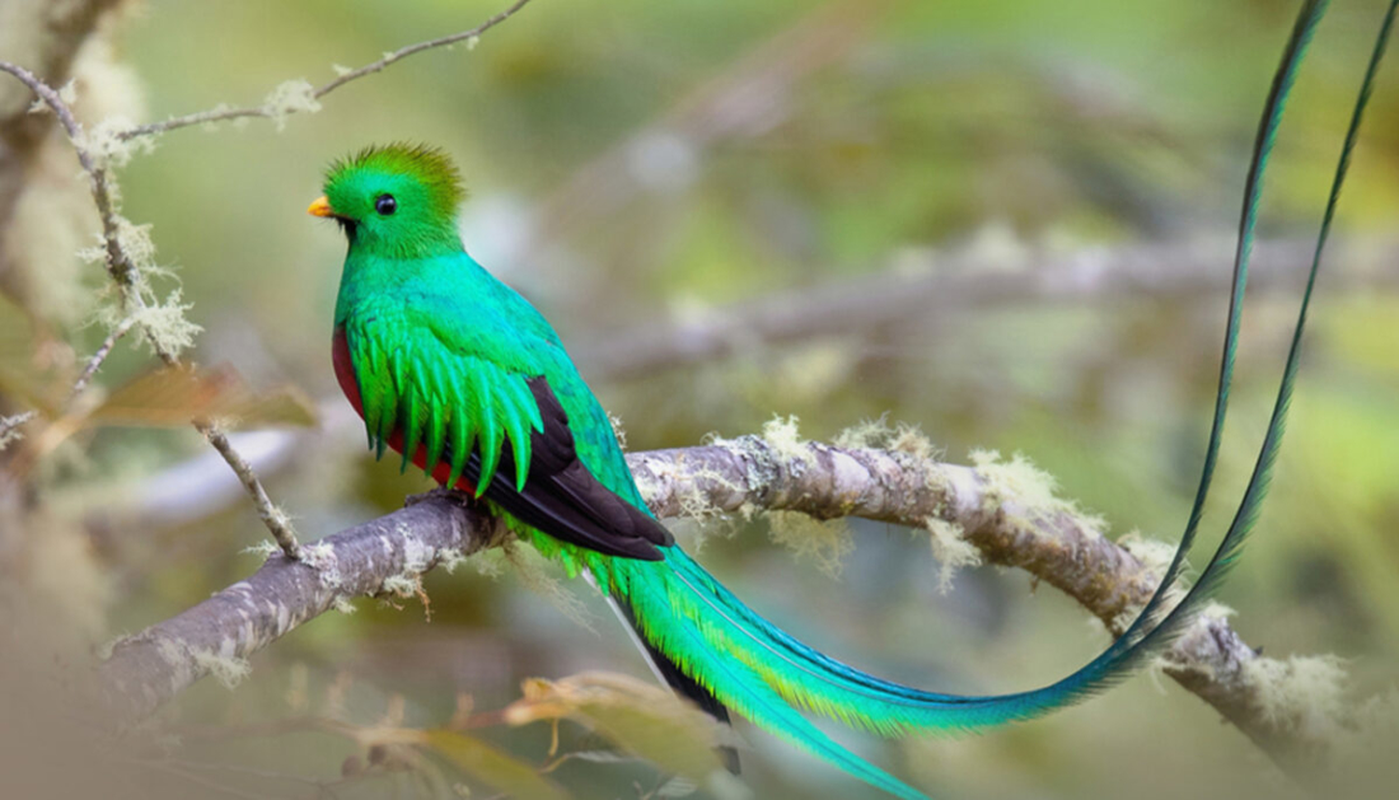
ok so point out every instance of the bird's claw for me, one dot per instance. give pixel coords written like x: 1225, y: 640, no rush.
x: 454, y: 496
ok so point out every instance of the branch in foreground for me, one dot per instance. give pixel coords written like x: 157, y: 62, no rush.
x: 1007, y: 523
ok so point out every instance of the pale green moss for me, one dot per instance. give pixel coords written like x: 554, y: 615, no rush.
x: 878, y: 434
x: 489, y: 563
x: 401, y: 586
x: 618, y: 430
x: 534, y: 573
x: 163, y: 322
x: 825, y: 542
x: 1030, y: 490
x: 165, y: 325
x: 695, y: 503
x: 265, y: 548
x: 108, y: 150
x: 104, y: 649
x: 784, y: 437
x: 451, y: 558
x: 648, y: 486
x: 1217, y: 610
x: 1303, y: 694
x: 698, y: 518
x: 227, y: 670
x: 951, y: 549
x: 53, y: 214
x: 321, y: 557
x: 296, y: 96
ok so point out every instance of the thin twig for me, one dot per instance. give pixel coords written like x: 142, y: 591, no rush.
x: 272, y: 517
x: 10, y: 423
x: 95, y: 363
x: 220, y: 115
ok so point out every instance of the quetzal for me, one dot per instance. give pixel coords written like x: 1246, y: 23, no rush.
x: 454, y: 370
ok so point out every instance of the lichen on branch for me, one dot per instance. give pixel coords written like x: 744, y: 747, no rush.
x: 1016, y: 522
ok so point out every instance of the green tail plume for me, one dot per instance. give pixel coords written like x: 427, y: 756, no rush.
x: 762, y: 672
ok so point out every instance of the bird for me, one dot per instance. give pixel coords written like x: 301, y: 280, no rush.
x: 466, y: 380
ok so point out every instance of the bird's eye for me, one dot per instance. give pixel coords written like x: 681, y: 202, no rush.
x: 385, y: 204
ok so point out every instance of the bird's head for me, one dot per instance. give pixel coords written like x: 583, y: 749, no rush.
x: 396, y: 200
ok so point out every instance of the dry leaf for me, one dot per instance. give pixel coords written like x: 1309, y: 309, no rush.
x: 174, y: 396
x: 641, y: 718
x: 492, y: 766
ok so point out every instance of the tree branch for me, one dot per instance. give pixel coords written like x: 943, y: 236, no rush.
x: 10, y: 424
x: 222, y: 114
x: 1004, y: 523
x: 103, y: 350
x: 944, y: 282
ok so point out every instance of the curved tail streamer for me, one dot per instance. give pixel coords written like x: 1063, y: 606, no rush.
x: 755, y: 668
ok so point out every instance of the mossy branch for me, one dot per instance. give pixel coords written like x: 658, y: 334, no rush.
x: 948, y: 282
x: 1002, y: 510
x: 305, y: 97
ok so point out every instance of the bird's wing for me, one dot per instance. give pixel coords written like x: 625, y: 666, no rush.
x: 470, y: 391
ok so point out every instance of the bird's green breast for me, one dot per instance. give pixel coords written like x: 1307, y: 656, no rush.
x: 455, y: 322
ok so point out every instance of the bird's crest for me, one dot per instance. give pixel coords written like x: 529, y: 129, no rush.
x: 429, y: 165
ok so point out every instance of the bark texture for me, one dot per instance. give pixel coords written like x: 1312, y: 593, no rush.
x: 1007, y: 522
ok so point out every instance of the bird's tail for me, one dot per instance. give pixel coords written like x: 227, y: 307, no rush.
x: 730, y: 652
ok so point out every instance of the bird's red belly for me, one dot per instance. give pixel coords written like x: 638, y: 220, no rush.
x: 345, y: 374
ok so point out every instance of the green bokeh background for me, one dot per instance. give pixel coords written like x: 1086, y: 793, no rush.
x: 1008, y: 126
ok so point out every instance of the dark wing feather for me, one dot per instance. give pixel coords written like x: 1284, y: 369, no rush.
x: 682, y: 684
x: 562, y: 498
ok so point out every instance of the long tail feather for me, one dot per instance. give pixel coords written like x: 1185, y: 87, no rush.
x: 817, y: 682
x: 757, y: 669
x: 689, y: 637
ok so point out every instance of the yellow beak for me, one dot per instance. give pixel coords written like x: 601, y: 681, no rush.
x: 320, y: 208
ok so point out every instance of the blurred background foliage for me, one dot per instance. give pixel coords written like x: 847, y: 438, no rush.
x: 638, y: 167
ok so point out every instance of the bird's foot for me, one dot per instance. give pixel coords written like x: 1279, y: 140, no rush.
x: 455, y: 496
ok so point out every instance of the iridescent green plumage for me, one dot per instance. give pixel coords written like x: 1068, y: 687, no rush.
x: 461, y: 375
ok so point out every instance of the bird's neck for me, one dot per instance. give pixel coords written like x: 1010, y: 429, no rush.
x: 370, y: 277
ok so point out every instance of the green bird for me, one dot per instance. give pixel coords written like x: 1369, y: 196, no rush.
x: 462, y: 376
